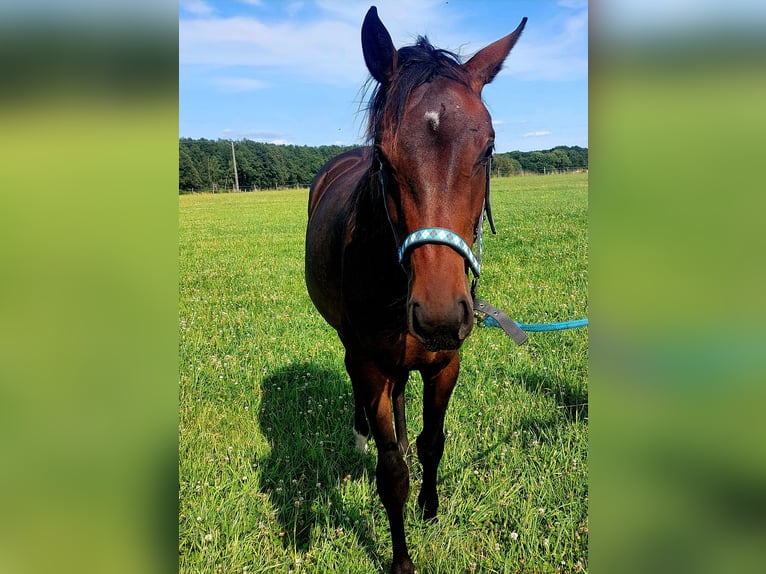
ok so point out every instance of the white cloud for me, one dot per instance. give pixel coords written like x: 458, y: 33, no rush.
x: 255, y: 135
x: 561, y: 56
x: 325, y: 49
x: 328, y: 49
x: 318, y: 50
x: 196, y: 7
x: 537, y: 134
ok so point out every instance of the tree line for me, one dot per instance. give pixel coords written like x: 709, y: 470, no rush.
x: 555, y: 160
x: 208, y: 165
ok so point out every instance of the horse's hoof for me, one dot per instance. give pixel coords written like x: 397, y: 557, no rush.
x: 428, y: 507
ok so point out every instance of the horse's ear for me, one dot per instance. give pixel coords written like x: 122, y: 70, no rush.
x: 486, y: 63
x: 378, y: 49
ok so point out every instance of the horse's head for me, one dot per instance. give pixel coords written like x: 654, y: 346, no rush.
x: 433, y: 138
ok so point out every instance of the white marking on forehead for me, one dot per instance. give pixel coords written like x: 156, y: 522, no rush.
x: 433, y: 119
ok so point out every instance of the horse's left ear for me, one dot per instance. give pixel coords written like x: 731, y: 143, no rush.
x: 379, y: 51
x: 486, y: 63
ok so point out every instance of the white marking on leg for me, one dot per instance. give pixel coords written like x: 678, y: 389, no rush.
x: 361, y: 442
x: 433, y: 119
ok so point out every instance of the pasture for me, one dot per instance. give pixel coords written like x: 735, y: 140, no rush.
x: 269, y: 478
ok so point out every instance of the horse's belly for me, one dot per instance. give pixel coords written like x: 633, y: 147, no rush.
x: 323, y: 273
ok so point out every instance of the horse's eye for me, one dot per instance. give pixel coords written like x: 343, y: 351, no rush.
x: 488, y: 153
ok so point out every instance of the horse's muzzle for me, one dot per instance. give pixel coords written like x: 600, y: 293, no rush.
x: 442, y: 330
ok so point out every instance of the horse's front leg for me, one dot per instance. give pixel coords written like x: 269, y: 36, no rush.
x: 400, y: 422
x: 438, y: 384
x: 362, y: 429
x: 373, y: 389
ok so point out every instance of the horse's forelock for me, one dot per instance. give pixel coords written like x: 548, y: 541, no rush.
x: 417, y: 64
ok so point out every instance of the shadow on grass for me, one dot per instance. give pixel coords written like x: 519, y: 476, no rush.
x: 571, y: 400
x: 571, y: 407
x: 312, y: 472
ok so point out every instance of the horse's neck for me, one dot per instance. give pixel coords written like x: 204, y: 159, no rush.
x: 371, y: 219
x: 372, y: 247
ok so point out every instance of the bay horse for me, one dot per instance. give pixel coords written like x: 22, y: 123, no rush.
x: 389, y: 244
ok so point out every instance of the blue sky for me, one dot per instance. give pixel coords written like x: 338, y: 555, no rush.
x: 291, y: 71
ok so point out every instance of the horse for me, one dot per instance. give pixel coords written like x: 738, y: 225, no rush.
x: 389, y: 246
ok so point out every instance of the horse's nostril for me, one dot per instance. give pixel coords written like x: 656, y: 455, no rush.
x: 417, y: 325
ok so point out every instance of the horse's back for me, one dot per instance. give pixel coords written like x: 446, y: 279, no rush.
x: 329, y: 210
x: 341, y: 174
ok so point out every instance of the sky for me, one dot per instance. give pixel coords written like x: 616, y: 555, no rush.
x: 292, y: 72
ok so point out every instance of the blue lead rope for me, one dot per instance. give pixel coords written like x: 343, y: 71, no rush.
x: 539, y: 327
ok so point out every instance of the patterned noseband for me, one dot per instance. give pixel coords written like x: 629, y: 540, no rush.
x: 440, y: 236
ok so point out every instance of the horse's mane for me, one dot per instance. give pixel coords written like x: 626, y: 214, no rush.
x: 417, y: 64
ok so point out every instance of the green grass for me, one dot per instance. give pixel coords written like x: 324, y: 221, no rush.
x: 269, y: 479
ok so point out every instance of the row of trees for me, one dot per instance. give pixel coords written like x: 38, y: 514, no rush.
x: 558, y: 159
x: 207, y: 165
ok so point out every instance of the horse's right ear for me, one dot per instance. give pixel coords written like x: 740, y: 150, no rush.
x: 486, y: 63
x: 379, y: 52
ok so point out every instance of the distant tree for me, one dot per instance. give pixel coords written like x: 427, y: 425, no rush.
x: 504, y: 165
x: 540, y: 162
x: 188, y: 176
x: 578, y: 156
x: 560, y: 158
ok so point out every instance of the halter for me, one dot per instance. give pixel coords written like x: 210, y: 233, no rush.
x: 442, y: 236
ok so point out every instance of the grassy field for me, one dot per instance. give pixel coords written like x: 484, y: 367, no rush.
x: 269, y: 478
